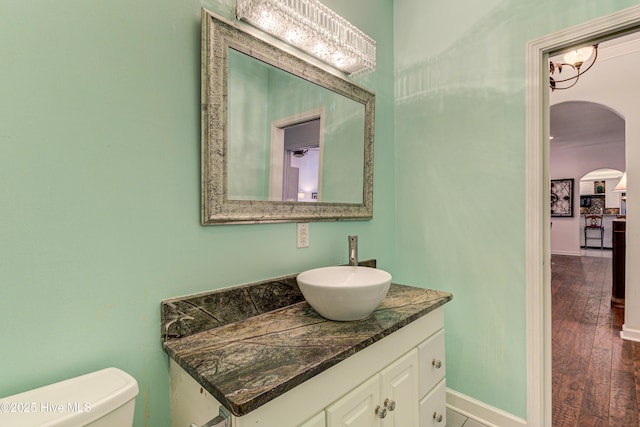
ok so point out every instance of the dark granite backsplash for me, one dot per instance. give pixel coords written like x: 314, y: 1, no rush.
x: 188, y: 315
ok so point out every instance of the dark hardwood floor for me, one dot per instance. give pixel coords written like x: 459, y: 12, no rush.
x: 596, y: 374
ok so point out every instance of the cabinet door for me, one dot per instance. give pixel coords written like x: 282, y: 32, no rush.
x: 432, y: 364
x: 357, y: 408
x: 399, y: 392
x: 317, y: 421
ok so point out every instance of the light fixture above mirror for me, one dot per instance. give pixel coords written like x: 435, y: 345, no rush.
x: 315, y: 29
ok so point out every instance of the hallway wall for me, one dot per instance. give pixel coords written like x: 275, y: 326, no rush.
x: 575, y: 162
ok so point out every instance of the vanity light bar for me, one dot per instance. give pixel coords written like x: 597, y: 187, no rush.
x: 315, y: 29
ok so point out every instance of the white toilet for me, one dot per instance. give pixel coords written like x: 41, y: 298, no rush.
x: 103, y: 398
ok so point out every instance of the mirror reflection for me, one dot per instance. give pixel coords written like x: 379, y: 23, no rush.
x: 301, y: 169
x: 291, y: 139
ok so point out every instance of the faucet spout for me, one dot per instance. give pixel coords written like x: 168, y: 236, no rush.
x: 353, y: 250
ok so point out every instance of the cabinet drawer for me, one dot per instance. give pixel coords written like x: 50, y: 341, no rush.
x: 433, y: 408
x: 431, y: 362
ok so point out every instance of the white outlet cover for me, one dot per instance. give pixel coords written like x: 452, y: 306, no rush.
x: 302, y: 234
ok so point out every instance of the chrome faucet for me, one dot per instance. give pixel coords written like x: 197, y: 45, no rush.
x: 353, y: 250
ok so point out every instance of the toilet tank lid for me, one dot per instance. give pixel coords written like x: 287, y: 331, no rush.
x: 76, y: 401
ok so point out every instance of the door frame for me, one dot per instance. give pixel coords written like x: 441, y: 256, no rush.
x: 537, y: 202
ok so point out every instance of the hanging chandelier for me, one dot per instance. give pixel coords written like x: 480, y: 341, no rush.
x: 315, y: 29
x: 575, y: 61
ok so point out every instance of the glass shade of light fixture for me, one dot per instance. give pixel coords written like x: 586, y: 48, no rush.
x: 574, y: 59
x: 315, y: 29
x: 621, y: 186
x: 578, y: 57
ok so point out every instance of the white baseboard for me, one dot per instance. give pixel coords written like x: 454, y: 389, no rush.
x: 630, y: 334
x: 570, y: 253
x: 481, y: 412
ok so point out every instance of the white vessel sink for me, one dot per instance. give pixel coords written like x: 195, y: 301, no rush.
x: 344, y: 293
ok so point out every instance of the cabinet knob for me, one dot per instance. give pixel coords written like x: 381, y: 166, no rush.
x: 390, y: 404
x: 436, y: 363
x: 437, y: 417
x: 381, y: 412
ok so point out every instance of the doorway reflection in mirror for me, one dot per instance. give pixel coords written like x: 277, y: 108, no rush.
x: 302, y: 161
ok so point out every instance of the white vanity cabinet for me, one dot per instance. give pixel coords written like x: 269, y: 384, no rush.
x: 396, y: 377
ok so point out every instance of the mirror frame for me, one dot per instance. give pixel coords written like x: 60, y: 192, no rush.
x: 218, y: 35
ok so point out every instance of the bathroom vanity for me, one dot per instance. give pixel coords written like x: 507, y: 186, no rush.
x: 287, y: 366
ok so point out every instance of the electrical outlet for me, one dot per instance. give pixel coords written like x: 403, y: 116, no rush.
x: 302, y: 232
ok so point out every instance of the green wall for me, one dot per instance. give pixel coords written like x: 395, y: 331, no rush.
x: 460, y: 159
x: 100, y: 188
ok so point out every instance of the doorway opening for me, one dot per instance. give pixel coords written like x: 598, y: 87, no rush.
x: 302, y: 161
x: 297, y: 144
x: 538, y: 254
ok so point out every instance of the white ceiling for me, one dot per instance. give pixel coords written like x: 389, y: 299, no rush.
x: 585, y: 123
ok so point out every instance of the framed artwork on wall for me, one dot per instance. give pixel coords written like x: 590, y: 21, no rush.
x: 562, y: 197
x: 599, y: 187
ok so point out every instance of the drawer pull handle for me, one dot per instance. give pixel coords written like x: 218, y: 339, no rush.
x: 390, y: 404
x: 381, y: 412
x: 437, y: 417
x: 436, y: 363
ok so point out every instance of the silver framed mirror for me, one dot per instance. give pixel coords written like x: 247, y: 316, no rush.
x: 282, y: 139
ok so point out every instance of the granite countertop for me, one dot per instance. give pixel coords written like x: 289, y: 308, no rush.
x: 246, y: 363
